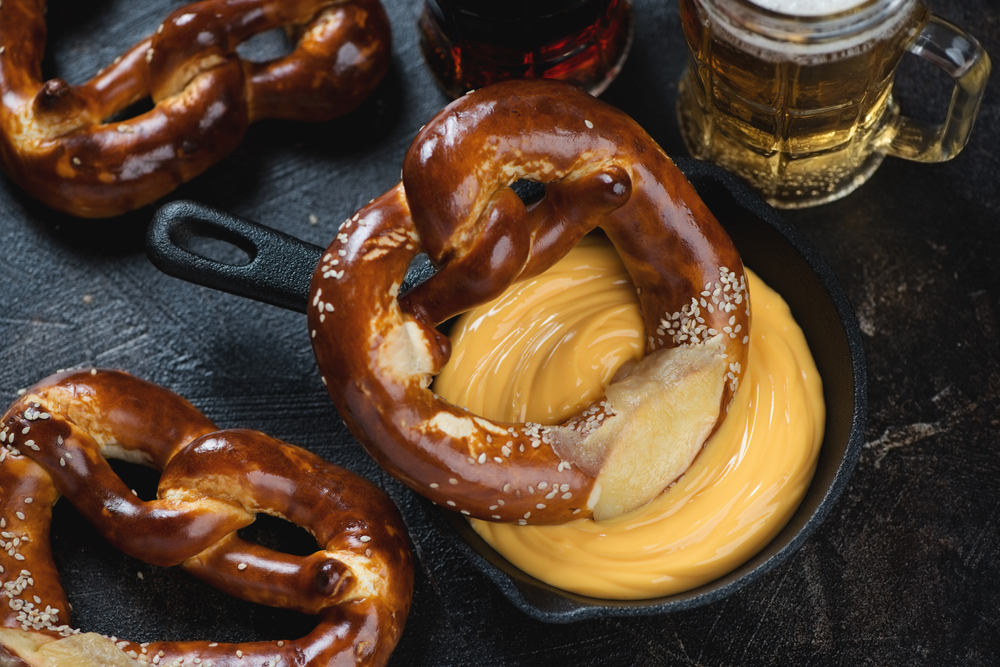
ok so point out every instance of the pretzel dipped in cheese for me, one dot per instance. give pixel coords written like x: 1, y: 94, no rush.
x: 378, y: 351
x: 57, y: 143
x: 55, y: 442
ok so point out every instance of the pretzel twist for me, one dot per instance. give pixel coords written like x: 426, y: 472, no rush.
x: 56, y: 440
x: 378, y: 353
x: 57, y: 142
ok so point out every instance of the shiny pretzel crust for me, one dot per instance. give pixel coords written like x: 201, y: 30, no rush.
x: 378, y: 351
x: 56, y: 143
x: 56, y: 440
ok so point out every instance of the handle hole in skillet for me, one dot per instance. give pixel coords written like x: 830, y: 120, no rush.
x: 213, y: 244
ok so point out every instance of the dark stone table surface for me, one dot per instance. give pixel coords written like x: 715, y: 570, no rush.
x: 905, y: 571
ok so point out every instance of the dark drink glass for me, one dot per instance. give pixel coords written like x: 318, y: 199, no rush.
x: 469, y: 44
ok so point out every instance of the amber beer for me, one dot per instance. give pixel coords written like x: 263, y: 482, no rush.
x: 469, y: 44
x: 800, y: 105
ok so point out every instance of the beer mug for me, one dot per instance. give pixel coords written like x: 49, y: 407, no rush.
x: 795, y: 96
x: 469, y: 44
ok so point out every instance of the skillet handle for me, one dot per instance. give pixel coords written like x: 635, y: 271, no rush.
x: 279, y: 269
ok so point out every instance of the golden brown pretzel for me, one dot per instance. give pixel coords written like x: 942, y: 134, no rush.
x: 56, y: 143
x: 378, y: 353
x: 55, y: 442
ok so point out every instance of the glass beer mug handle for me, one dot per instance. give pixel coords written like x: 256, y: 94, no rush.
x: 962, y: 57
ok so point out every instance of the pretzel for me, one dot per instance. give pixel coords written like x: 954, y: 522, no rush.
x: 56, y: 439
x: 58, y: 144
x: 378, y: 351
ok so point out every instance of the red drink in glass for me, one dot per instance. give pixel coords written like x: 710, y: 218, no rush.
x: 469, y: 44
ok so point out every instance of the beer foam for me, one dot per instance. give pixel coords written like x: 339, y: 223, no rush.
x: 807, y: 7
x: 811, y: 47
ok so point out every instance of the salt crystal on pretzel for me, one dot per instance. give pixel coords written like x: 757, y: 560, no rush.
x: 378, y: 351
x: 55, y: 440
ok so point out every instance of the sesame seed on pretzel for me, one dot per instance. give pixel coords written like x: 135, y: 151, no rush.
x: 57, y: 143
x: 378, y: 350
x: 54, y: 441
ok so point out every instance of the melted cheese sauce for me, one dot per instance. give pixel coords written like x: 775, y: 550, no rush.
x: 546, y: 349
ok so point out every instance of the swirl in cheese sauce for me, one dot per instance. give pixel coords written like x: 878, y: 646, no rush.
x: 547, y: 348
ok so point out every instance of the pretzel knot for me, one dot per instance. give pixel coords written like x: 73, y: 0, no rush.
x: 60, y: 146
x: 213, y: 483
x: 378, y: 351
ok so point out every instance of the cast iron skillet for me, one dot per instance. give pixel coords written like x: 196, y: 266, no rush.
x: 280, y: 267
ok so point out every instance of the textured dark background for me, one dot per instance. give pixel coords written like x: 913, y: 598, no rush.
x: 904, y: 572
